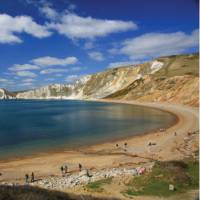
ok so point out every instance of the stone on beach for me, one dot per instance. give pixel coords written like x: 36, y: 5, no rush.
x: 83, y: 178
x: 171, y: 187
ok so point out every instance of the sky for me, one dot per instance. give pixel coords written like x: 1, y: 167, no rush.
x: 60, y: 41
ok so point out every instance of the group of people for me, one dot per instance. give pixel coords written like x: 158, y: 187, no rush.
x: 32, y: 178
x: 64, y: 169
x: 125, y: 145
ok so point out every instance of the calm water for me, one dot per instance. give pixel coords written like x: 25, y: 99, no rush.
x: 28, y: 127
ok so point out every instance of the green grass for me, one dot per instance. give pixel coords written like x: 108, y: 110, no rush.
x: 193, y: 172
x: 154, y: 187
x: 183, y: 175
x: 97, y: 186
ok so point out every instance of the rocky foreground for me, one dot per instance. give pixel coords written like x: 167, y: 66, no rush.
x: 84, y: 177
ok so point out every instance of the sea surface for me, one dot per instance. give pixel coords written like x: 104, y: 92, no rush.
x: 31, y: 126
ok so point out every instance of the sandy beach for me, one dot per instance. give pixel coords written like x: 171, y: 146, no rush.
x: 167, y: 146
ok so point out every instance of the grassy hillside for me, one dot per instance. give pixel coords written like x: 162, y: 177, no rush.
x: 183, y: 175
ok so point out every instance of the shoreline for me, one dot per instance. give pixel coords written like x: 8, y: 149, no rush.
x: 106, y: 154
x: 86, y: 146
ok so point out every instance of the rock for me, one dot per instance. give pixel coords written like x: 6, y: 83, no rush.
x: 76, y: 179
x: 83, y: 173
x: 171, y: 187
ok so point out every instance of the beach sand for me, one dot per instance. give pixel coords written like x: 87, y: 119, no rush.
x: 107, y: 155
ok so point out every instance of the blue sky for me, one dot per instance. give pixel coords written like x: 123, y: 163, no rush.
x: 58, y: 41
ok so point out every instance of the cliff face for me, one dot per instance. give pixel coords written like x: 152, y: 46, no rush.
x: 177, y: 81
x: 171, y: 79
x: 4, y: 94
x: 92, y: 86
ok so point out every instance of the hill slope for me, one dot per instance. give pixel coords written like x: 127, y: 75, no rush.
x: 176, y: 81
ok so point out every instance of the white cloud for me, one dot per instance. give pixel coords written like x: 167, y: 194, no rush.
x: 77, y: 27
x: 26, y: 74
x: 49, y: 12
x: 158, y: 44
x: 89, y: 45
x: 114, y: 50
x: 5, y: 82
x: 19, y: 67
x: 49, y: 79
x: 77, y: 68
x: 26, y: 84
x: 51, y: 61
x: 19, y: 24
x: 72, y: 6
x: 95, y: 55
x: 58, y: 75
x: 51, y: 70
x: 28, y: 80
x: 71, y: 78
x: 120, y: 64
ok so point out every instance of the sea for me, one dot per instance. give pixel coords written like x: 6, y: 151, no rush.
x: 28, y: 127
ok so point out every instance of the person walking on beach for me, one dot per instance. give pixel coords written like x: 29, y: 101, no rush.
x: 80, y: 167
x: 125, y: 144
x: 88, y: 173
x: 62, y: 169
x: 66, y: 169
x: 26, y: 178
x: 32, y: 177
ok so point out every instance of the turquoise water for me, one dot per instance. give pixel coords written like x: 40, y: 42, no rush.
x: 31, y: 126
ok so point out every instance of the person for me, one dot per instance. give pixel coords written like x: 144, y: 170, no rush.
x: 117, y: 145
x: 66, y: 169
x: 88, y: 174
x: 32, y: 177
x: 80, y: 167
x: 26, y: 178
x: 62, y: 169
x: 125, y: 144
x: 149, y: 144
x: 175, y: 134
